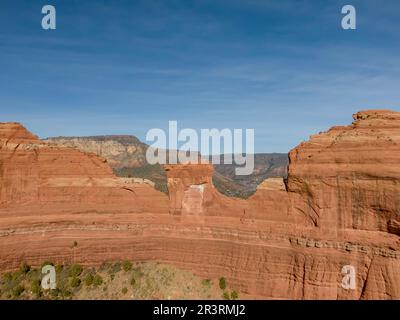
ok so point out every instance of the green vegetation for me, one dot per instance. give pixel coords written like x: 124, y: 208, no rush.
x: 222, y: 283
x: 75, y: 270
x: 155, y: 173
x: 7, y: 276
x: 15, y: 276
x: 127, y: 266
x: 35, y: 288
x: 104, y: 266
x: 54, y: 293
x: 226, y: 296
x: 89, y: 279
x: 206, y: 283
x: 137, y: 272
x: 65, y: 293
x: 24, y: 269
x: 18, y: 290
x: 139, y: 281
x: 75, y: 282
x: 230, y: 188
x: 234, y: 295
x: 97, y: 280
x: 116, y: 268
x: 59, y: 268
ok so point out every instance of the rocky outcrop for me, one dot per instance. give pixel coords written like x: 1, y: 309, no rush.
x: 190, y: 188
x: 35, y: 172
x: 348, y: 177
x: 15, y: 133
x: 272, y: 184
x: 290, y: 240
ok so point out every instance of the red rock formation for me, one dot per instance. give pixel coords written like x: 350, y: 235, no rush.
x: 34, y: 172
x: 339, y: 206
x: 12, y: 131
x: 348, y: 177
x: 190, y: 188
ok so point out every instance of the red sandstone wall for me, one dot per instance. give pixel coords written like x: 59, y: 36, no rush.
x: 349, y: 176
x: 341, y: 207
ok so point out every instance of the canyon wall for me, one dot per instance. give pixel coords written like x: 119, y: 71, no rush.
x: 37, y: 173
x: 339, y: 206
x: 349, y: 176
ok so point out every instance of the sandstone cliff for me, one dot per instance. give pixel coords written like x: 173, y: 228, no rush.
x: 35, y: 172
x: 339, y: 206
x: 349, y: 176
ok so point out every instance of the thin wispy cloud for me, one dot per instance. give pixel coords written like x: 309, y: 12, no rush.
x: 284, y: 68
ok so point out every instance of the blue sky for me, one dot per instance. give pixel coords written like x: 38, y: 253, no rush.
x: 284, y: 68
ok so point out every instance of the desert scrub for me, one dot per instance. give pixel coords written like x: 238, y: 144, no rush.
x: 226, y: 296
x: 124, y: 290
x: 166, y: 276
x: 54, y: 293
x: 59, y: 268
x: 65, y: 293
x: 75, y: 282
x: 32, y: 275
x: 97, y: 280
x: 206, y: 283
x: 9, y: 283
x: 234, y: 295
x: 16, y: 276
x: 35, y: 288
x: 137, y: 272
x: 17, y: 291
x: 222, y: 283
x: 25, y: 268
x: 75, y: 270
x: 7, y: 276
x: 88, y: 279
x: 115, y: 268
x: 127, y: 266
x: 104, y: 266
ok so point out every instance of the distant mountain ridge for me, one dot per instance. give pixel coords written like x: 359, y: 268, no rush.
x: 126, y: 155
x: 121, y: 151
x: 266, y: 165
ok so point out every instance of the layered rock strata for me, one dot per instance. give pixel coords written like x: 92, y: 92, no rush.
x: 338, y: 207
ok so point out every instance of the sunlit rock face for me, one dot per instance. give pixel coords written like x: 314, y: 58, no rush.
x: 349, y: 176
x: 339, y: 206
x: 190, y: 187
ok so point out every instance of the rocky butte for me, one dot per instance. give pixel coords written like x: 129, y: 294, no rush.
x: 340, y: 205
